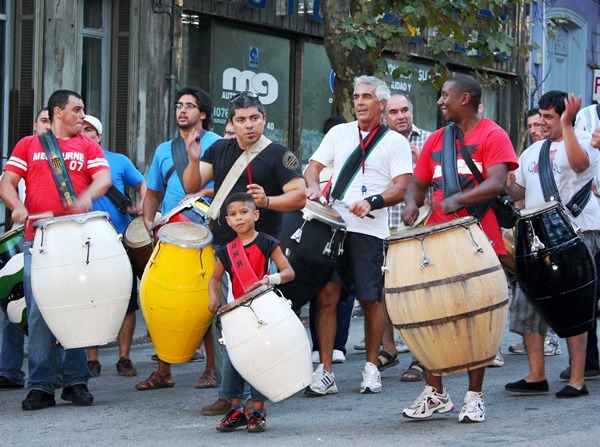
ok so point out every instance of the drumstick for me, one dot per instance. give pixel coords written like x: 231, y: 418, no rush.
x: 46, y: 215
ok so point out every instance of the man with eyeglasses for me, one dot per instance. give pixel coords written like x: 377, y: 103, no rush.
x: 273, y: 178
x: 193, y: 110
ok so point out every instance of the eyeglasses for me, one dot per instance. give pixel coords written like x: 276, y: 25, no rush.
x: 244, y: 94
x: 187, y: 105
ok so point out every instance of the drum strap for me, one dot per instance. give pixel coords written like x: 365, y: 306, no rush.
x: 234, y: 174
x: 240, y: 265
x: 58, y: 168
x: 355, y: 162
x: 550, y: 190
x: 118, y: 199
x: 450, y: 180
x: 180, y: 157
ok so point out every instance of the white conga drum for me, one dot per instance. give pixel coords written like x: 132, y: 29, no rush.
x: 267, y: 343
x: 447, y: 294
x: 81, y: 278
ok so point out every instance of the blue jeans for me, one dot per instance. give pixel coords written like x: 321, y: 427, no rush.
x: 42, y: 345
x: 232, y: 383
x: 11, y: 360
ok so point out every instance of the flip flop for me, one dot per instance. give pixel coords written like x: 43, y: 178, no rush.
x: 155, y: 382
x: 385, y: 360
x: 414, y: 373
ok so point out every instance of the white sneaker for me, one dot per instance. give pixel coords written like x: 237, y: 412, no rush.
x: 360, y: 346
x: 518, y: 348
x: 498, y: 360
x: 552, y: 345
x: 401, y: 347
x: 371, y: 382
x: 316, y: 357
x: 473, y: 409
x: 427, y: 403
x: 323, y: 383
x: 337, y: 357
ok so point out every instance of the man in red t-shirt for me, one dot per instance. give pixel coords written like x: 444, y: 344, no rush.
x: 493, y: 154
x: 89, y: 173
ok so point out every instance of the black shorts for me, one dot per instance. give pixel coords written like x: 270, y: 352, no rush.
x: 133, y: 301
x: 361, y: 264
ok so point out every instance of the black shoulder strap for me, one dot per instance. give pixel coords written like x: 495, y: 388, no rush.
x: 180, y: 158
x: 118, y: 199
x: 450, y: 181
x: 550, y: 190
x: 353, y: 164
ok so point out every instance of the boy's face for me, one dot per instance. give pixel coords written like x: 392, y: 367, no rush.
x: 241, y: 217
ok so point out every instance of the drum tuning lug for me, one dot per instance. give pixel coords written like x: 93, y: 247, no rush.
x: 222, y: 341
x: 327, y: 249
x: 385, y: 268
x: 537, y: 244
x: 425, y: 260
x: 297, y: 235
x: 288, y: 252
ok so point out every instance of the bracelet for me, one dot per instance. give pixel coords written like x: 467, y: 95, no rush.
x: 273, y: 279
x: 267, y: 205
x: 375, y: 201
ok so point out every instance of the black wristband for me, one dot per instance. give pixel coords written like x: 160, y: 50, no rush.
x: 375, y: 201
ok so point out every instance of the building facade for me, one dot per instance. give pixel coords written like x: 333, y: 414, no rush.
x: 128, y: 59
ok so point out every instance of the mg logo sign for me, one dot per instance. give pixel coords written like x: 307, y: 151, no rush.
x: 263, y: 84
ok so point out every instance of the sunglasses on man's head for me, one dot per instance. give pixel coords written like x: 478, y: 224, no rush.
x: 244, y: 94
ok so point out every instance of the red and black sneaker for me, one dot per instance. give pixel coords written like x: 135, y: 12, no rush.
x: 234, y: 418
x: 256, y: 422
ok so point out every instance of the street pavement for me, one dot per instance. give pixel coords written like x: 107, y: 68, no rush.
x: 123, y: 416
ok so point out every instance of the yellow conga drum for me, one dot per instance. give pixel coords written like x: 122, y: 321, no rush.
x: 446, y: 293
x: 174, y: 290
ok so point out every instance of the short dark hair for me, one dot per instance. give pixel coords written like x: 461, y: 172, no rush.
x: 59, y: 99
x: 40, y: 112
x: 468, y: 84
x: 332, y: 121
x: 534, y: 111
x: 554, y: 99
x: 243, y: 101
x: 204, y: 100
x: 239, y: 197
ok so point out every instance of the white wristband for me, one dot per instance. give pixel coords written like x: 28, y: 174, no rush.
x: 273, y: 279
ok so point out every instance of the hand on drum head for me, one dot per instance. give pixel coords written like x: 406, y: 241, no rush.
x: 451, y: 204
x: 410, y: 214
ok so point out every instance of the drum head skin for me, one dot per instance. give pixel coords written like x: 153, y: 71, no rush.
x: 424, y: 213
x: 9, y: 234
x: 185, y: 234
x: 431, y: 229
x: 77, y: 218
x: 324, y: 213
x: 247, y: 297
x: 538, y: 209
x: 136, y: 235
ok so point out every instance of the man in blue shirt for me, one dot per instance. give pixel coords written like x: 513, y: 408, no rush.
x: 123, y: 174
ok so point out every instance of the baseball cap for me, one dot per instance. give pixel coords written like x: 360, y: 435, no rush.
x: 94, y: 122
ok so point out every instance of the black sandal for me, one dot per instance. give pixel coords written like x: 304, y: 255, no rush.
x: 414, y: 373
x: 385, y: 360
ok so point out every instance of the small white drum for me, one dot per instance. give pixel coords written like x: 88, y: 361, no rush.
x: 81, y: 278
x: 267, y: 343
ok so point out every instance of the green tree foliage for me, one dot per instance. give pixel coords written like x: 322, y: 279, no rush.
x: 472, y: 33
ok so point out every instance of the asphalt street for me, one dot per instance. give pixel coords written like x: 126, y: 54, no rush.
x: 123, y: 416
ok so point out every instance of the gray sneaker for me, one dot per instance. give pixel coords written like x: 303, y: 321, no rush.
x: 551, y: 345
x: 323, y: 383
